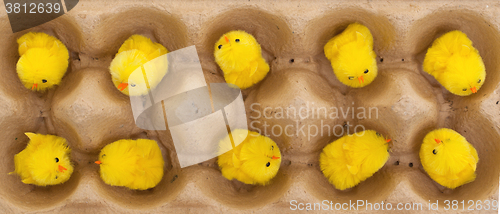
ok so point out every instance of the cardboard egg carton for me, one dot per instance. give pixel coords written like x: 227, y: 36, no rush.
x: 405, y: 103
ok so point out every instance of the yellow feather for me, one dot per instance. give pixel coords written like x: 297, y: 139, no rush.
x: 43, y: 61
x: 353, y: 158
x: 136, y: 164
x: 135, y: 52
x: 455, y: 63
x: 240, y: 58
x: 44, y: 161
x: 352, y: 57
x: 452, y: 162
x: 251, y: 162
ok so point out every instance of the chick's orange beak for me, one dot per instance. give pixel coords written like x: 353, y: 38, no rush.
x: 474, y: 90
x: 361, y: 79
x: 122, y: 86
x: 437, y: 141
x: 98, y: 162
x: 225, y: 37
x: 62, y: 169
x: 388, y: 140
x: 35, y: 85
x: 275, y: 158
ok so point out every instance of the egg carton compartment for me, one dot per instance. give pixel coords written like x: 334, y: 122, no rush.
x: 300, y: 101
x: 90, y: 112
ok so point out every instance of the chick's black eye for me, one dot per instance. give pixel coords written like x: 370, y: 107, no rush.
x: 464, y: 89
x: 220, y: 46
x: 237, y: 40
x: 351, y: 78
x: 133, y: 85
x: 268, y: 164
x: 104, y: 155
x: 272, y: 147
x: 378, y: 134
x: 44, y: 80
x: 366, y: 71
x: 56, y: 176
x: 57, y: 160
x: 479, y: 81
x: 434, y: 151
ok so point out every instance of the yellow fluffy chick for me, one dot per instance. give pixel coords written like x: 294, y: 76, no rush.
x: 135, y: 52
x: 352, y: 57
x: 255, y: 161
x: 354, y: 158
x: 455, y: 63
x: 448, y: 158
x: 239, y: 56
x: 43, y: 61
x: 45, y: 161
x: 136, y: 164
